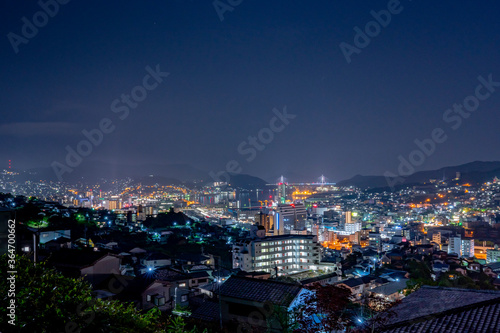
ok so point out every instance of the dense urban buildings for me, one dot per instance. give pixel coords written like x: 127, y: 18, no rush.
x: 241, y: 166
x: 179, y: 244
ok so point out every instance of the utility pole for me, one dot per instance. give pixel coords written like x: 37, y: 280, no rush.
x: 34, y: 248
x: 175, y: 297
x: 218, y: 290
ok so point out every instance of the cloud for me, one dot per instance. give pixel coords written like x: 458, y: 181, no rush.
x: 29, y: 129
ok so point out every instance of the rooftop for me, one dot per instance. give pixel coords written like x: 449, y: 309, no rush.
x: 272, y: 238
x: 438, y: 309
x: 208, y: 311
x: 390, y: 288
x: 259, y: 290
x: 319, y: 278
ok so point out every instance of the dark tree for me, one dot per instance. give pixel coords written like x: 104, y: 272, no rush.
x: 324, y: 310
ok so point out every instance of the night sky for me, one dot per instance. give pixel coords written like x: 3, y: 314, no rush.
x: 226, y: 77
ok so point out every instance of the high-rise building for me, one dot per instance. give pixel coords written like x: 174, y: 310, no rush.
x: 455, y: 245
x: 281, y: 192
x: 291, y: 217
x: 467, y: 248
x: 265, y: 220
x: 436, y: 237
x: 351, y: 228
x: 115, y: 204
x: 374, y: 239
x: 329, y: 236
x: 348, y: 217
x: 131, y: 217
x: 141, y: 213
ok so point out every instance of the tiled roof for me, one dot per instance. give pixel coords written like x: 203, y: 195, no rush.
x: 354, y: 282
x: 484, y: 319
x: 167, y: 274
x: 390, y: 288
x: 436, y: 309
x: 260, y: 290
x: 196, y: 275
x: 207, y: 311
x: 493, y: 265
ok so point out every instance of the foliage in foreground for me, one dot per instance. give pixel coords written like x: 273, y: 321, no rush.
x: 47, y: 301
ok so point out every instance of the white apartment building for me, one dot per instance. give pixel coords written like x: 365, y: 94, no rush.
x: 436, y: 237
x: 493, y: 255
x: 467, y: 248
x: 284, y: 253
x: 462, y: 247
x: 455, y: 245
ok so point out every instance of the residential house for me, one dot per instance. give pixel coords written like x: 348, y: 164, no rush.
x: 77, y: 263
x: 247, y: 302
x: 57, y: 244
x: 154, y: 260
x: 391, y: 291
x: 438, y: 267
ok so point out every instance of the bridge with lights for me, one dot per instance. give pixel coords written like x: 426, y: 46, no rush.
x: 322, y: 181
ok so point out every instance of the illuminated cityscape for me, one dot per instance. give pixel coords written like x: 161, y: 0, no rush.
x: 302, y: 233
x: 248, y: 166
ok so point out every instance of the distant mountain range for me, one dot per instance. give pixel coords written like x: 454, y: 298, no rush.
x: 474, y: 172
x: 147, y: 174
x: 95, y: 170
x: 176, y: 174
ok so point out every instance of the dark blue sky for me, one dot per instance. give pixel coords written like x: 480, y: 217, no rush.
x: 226, y: 77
